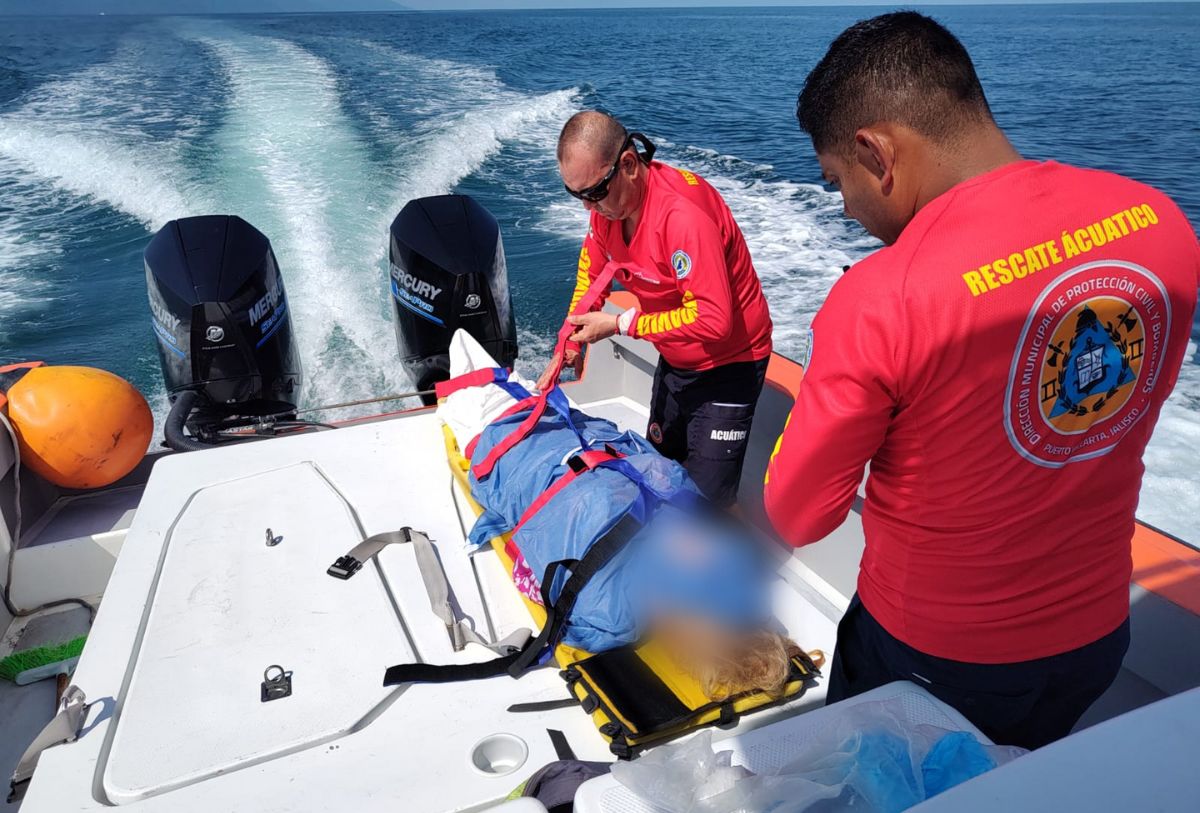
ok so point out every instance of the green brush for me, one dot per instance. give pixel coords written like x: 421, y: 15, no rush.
x: 42, y: 662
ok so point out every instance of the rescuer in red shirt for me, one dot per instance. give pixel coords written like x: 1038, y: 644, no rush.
x: 681, y: 254
x: 1001, y: 365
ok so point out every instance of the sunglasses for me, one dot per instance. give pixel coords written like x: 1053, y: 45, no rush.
x: 599, y: 191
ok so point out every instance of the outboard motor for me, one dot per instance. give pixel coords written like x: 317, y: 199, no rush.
x: 220, y: 315
x: 448, y: 272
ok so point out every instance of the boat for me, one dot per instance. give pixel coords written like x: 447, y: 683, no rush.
x: 226, y: 670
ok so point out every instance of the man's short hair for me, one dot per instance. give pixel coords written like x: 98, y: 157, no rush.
x: 902, y: 67
x: 597, y: 131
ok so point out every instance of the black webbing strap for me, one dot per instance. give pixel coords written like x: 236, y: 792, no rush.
x: 445, y: 673
x: 562, y: 748
x: 598, y: 555
x: 557, y: 612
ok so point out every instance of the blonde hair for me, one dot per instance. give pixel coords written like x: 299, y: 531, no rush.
x: 728, y: 664
x: 762, y: 663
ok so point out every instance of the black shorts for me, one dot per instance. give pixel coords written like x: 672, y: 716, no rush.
x: 1030, y: 704
x: 702, y: 418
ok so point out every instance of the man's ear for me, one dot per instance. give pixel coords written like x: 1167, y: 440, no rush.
x: 876, y: 151
x: 630, y: 165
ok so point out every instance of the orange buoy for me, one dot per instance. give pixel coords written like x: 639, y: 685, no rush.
x: 79, y: 427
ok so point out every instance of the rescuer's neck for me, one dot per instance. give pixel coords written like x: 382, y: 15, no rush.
x: 984, y: 149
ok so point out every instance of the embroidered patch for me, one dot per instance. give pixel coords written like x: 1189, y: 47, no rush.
x: 682, y: 263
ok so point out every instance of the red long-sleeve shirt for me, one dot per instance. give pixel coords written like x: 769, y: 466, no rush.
x: 700, y: 301
x: 1001, y: 367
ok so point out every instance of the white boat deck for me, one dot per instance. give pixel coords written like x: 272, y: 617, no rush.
x: 199, y: 606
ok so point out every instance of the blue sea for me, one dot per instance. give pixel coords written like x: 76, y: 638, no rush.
x: 318, y: 129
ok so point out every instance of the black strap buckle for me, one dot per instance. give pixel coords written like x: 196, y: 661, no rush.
x: 611, y: 730
x: 577, y: 465
x: 345, y: 567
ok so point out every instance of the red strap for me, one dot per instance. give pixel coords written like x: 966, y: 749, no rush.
x: 591, y: 459
x: 485, y: 466
x: 594, y: 292
x: 475, y: 378
x: 519, y: 406
x: 511, y: 549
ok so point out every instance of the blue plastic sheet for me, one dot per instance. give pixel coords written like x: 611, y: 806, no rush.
x: 872, y: 757
x: 677, y: 562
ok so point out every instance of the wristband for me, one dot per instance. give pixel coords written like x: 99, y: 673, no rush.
x: 625, y: 321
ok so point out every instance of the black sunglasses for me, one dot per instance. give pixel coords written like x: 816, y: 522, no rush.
x: 599, y: 191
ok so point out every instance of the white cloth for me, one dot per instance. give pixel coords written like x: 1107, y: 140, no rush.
x: 469, y: 410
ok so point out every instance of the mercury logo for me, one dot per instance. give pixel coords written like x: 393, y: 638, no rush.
x: 164, y: 316
x: 728, y: 434
x: 267, y: 304
x: 215, y: 333
x: 417, y: 286
x: 473, y: 301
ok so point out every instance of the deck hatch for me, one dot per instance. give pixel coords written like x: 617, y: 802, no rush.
x: 226, y: 606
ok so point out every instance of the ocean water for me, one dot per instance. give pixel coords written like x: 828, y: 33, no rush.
x: 318, y: 128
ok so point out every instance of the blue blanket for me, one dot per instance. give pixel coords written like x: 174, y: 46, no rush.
x: 677, y: 562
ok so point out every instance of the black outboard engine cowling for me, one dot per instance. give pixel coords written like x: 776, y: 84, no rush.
x: 220, y: 315
x: 448, y: 272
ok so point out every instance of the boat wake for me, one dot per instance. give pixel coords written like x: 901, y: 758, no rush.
x: 319, y: 140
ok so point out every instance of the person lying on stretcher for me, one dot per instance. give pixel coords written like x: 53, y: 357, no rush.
x: 696, y: 582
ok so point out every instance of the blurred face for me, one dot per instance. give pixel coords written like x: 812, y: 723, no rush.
x: 869, y: 191
x: 582, y: 168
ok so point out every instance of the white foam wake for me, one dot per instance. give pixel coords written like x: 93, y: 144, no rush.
x: 467, y: 115
x: 22, y: 244
x: 76, y: 147
x: 1170, y: 497
x: 109, y: 135
x: 101, y: 170
x: 291, y: 162
x: 288, y: 160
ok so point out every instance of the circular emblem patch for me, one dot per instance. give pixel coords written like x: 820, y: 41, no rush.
x: 215, y: 333
x: 1087, y: 362
x: 655, y: 433
x: 473, y: 301
x: 682, y: 263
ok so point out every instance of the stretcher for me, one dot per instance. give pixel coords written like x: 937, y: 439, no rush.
x: 634, y: 694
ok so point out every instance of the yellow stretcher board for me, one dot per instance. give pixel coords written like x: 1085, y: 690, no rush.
x: 635, y: 694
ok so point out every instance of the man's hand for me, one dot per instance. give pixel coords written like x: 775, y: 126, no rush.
x: 574, y: 360
x: 589, y: 327
x: 592, y: 327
